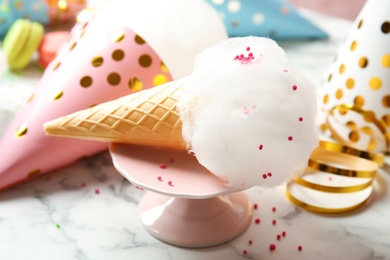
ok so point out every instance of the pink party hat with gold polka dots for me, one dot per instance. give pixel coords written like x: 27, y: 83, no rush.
x: 355, y: 94
x: 123, y: 48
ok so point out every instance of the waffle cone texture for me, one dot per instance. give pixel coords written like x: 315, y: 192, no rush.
x: 148, y: 117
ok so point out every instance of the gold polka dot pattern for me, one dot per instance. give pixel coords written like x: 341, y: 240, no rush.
x: 375, y: 83
x: 386, y: 60
x: 159, y: 79
x: 350, y: 83
x: 118, y: 55
x: 58, y: 95
x: 117, y: 36
x: 139, y: 40
x: 21, y: 131
x: 342, y: 68
x: 113, y: 79
x: 353, y: 45
x: 386, y: 101
x: 135, y: 84
x: 385, y: 27
x: 359, y: 101
x: 145, y: 60
x: 86, y: 81
x: 363, y: 62
x: 97, y: 61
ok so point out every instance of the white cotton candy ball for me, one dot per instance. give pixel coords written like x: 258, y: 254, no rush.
x: 250, y: 118
x: 177, y: 30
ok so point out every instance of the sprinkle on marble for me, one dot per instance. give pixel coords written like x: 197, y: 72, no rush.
x: 159, y: 178
x: 170, y: 183
x: 272, y: 247
x: 245, y: 110
x: 285, y: 70
x: 255, y: 206
x: 97, y: 191
x: 274, y: 222
x: 290, y: 138
x: 83, y: 184
x: 294, y: 87
x: 257, y: 221
x: 163, y: 165
x: 300, y: 119
x: 269, y: 174
x: 261, y: 147
x: 244, y: 251
x: 57, y: 225
x: 278, y: 237
x: 273, y: 209
x: 299, y: 248
x: 250, y: 242
x: 264, y: 176
x: 284, y: 233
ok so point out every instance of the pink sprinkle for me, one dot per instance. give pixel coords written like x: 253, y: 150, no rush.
x: 159, y: 178
x: 248, y: 48
x: 284, y: 233
x: 245, y: 110
x: 236, y: 58
x: 290, y: 138
x: 330, y: 178
x: 273, y: 209
x: 272, y: 247
x: 294, y: 87
x: 97, y: 191
x: 257, y: 221
x: 244, y: 252
x: 255, y: 206
x: 253, y: 107
x: 278, y: 237
x: 274, y: 222
x: 163, y: 165
x: 299, y: 248
x: 264, y: 176
x: 250, y: 242
x: 300, y: 119
x: 170, y: 183
x: 269, y: 174
x: 261, y: 147
x: 285, y: 70
x: 250, y: 54
x: 83, y: 184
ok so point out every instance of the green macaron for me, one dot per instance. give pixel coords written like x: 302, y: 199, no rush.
x: 21, y: 41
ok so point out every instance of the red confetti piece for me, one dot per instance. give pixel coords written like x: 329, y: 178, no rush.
x: 244, y: 252
x: 273, y: 209
x: 264, y: 176
x: 159, y: 178
x: 97, y: 191
x: 278, y: 237
x: 163, y: 165
x: 294, y: 87
x: 257, y: 221
x: 290, y: 138
x: 299, y: 248
x: 269, y: 174
x: 272, y: 247
x: 250, y: 242
x: 255, y: 206
x: 300, y: 119
x: 274, y: 222
x: 261, y: 147
x: 170, y: 183
x: 284, y: 233
x: 248, y: 48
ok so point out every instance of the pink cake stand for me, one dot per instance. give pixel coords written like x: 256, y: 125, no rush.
x: 185, y: 204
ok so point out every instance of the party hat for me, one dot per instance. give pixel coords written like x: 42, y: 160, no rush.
x: 355, y: 95
x: 104, y: 59
x: 277, y: 19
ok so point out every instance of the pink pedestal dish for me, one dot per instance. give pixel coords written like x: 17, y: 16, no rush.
x: 185, y: 204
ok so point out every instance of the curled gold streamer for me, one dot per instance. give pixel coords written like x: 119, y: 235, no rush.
x: 356, y: 164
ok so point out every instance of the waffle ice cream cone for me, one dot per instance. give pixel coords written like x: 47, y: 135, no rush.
x: 148, y: 117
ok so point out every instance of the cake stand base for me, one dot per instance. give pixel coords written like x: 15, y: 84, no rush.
x: 195, y: 222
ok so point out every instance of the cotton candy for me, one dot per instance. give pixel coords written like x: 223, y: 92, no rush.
x: 248, y: 117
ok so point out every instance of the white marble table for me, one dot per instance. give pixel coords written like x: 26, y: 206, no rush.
x: 89, y: 211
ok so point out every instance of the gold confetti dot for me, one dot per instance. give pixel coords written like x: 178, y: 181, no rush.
x: 323, y: 127
x: 30, y: 98
x: 117, y: 36
x: 159, y: 79
x: 371, y: 145
x: 118, y: 55
x: 351, y: 125
x: 330, y: 77
x: 339, y: 94
x: 363, y: 62
x: 163, y: 67
x: 350, y: 83
x: 86, y: 81
x: 386, y: 60
x: 33, y: 173
x: 342, y: 68
x: 56, y: 65
x: 114, y: 79
x: 83, y: 33
x: 139, y: 40
x: 369, y: 116
x: 135, y: 84
x: 343, y: 111
x: 375, y: 83
x: 71, y: 47
x: 353, y: 45
x: 97, y: 61
x: 21, y: 131
x: 359, y: 101
x: 386, y: 120
x: 145, y: 60
x: 386, y: 101
x: 385, y: 27
x: 360, y: 24
x: 83, y: 25
x: 325, y: 99
x: 58, y: 95
x: 367, y: 130
x: 354, y: 136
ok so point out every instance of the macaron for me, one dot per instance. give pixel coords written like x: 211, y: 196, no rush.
x: 50, y: 44
x: 21, y: 41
